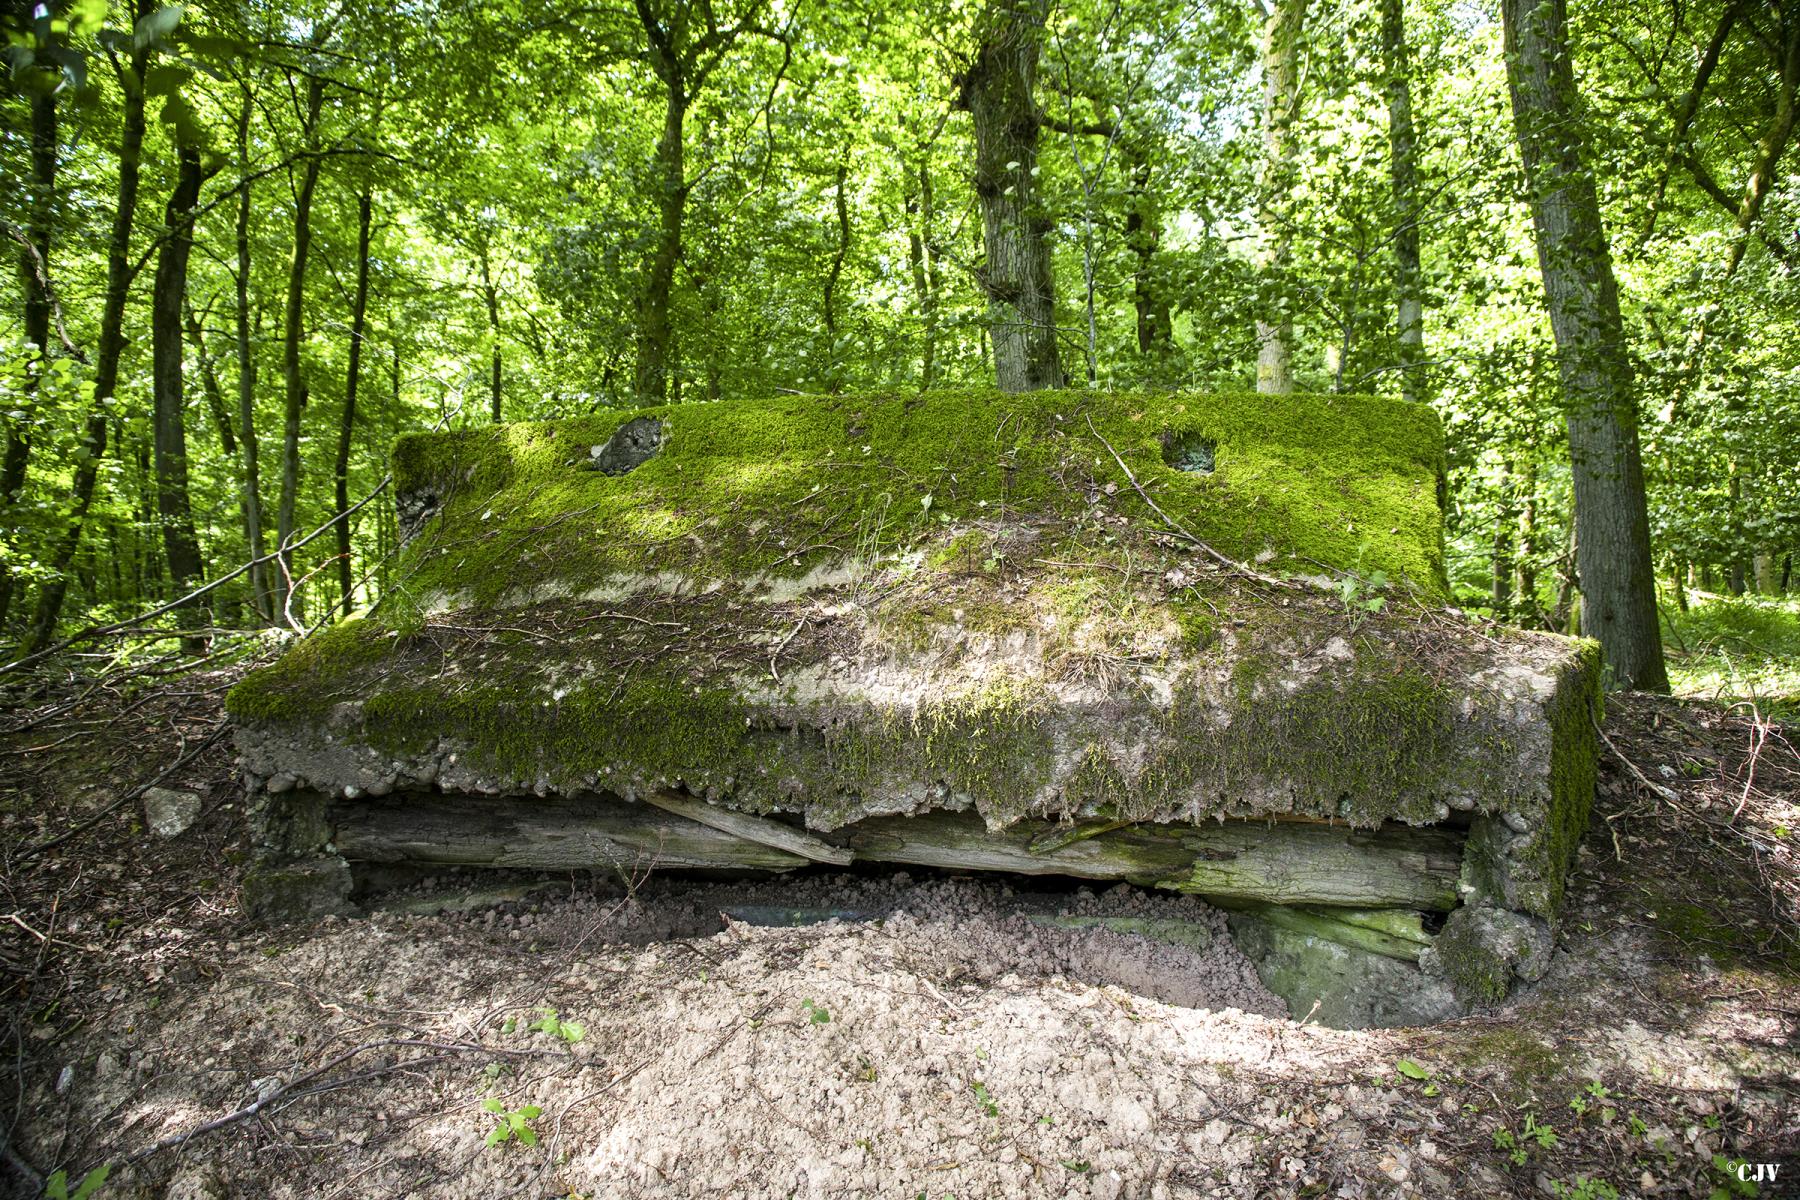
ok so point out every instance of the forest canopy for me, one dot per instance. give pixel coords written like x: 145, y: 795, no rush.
x: 255, y: 242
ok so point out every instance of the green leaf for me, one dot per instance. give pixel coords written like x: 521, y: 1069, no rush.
x: 499, y: 1134
x: 493, y: 1105
x: 1411, y: 1069
x: 528, y: 1137
x: 92, y: 1181
x: 531, y: 1112
x: 158, y: 25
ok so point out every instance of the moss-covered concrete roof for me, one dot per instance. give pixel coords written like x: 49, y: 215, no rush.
x: 847, y: 606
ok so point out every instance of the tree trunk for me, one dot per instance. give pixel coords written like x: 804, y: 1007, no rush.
x: 1612, y: 526
x: 997, y: 91
x: 1528, y: 611
x: 34, y: 271
x: 209, y: 383
x: 111, y: 348
x: 1143, y: 237
x: 924, y: 270
x: 359, y: 307
x: 654, y: 336
x: 490, y: 294
x: 1281, y: 106
x: 1503, y: 545
x: 292, y: 374
x: 1404, y: 170
x: 833, y: 377
x: 168, y: 300
x: 246, y: 381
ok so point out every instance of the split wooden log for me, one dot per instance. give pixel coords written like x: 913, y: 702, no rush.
x: 1282, y: 863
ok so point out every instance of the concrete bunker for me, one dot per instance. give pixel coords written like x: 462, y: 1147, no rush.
x: 965, y: 631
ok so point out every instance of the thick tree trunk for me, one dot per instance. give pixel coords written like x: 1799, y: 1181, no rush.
x: 654, y: 334
x: 111, y: 348
x: 1281, y: 107
x: 168, y: 300
x: 34, y: 271
x: 359, y: 307
x: 1612, y: 526
x: 1403, y: 167
x: 246, y: 380
x: 997, y: 91
x: 924, y: 270
x: 292, y: 374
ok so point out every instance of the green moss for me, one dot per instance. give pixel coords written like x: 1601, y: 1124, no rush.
x: 310, y: 678
x: 778, y: 484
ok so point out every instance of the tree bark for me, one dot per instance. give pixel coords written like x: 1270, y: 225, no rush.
x: 111, y: 348
x: 292, y: 374
x: 833, y: 377
x: 1143, y: 237
x: 997, y: 91
x: 1281, y: 107
x: 491, y: 295
x: 246, y: 380
x: 654, y: 335
x: 1403, y: 169
x: 17, y: 458
x: 359, y: 307
x: 168, y: 301
x: 1612, y: 526
x: 924, y: 270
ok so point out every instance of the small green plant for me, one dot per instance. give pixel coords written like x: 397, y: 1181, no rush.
x: 1727, y: 1182
x: 1584, y: 1189
x: 1517, y: 1147
x: 511, y: 1123
x: 816, y: 1014
x: 982, y: 1098
x: 550, y: 1022
x: 57, y: 1186
x: 1412, y: 1070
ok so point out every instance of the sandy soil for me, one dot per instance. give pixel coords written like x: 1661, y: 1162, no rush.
x: 949, y: 1048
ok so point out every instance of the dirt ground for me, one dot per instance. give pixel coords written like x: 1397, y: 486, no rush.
x: 638, y: 1043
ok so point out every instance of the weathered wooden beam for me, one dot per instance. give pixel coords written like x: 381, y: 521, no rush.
x: 750, y: 828
x: 543, y: 835
x: 1324, y: 923
x: 1286, y: 863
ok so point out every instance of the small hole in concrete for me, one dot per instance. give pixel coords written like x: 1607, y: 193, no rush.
x: 635, y: 443
x: 1190, y: 452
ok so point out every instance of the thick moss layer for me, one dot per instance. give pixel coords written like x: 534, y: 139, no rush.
x: 1349, y: 482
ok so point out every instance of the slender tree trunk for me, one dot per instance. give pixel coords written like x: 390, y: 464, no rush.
x: 491, y: 295
x: 997, y: 91
x: 1612, y: 526
x: 924, y: 267
x: 292, y: 373
x: 34, y: 270
x: 111, y: 348
x: 1281, y: 107
x: 168, y: 301
x: 1403, y: 166
x: 209, y: 384
x: 246, y: 380
x: 359, y: 307
x: 1529, y: 612
x: 654, y: 336
x: 833, y: 377
x: 1504, y: 561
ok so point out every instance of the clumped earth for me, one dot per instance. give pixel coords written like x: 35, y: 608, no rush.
x: 637, y: 1043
